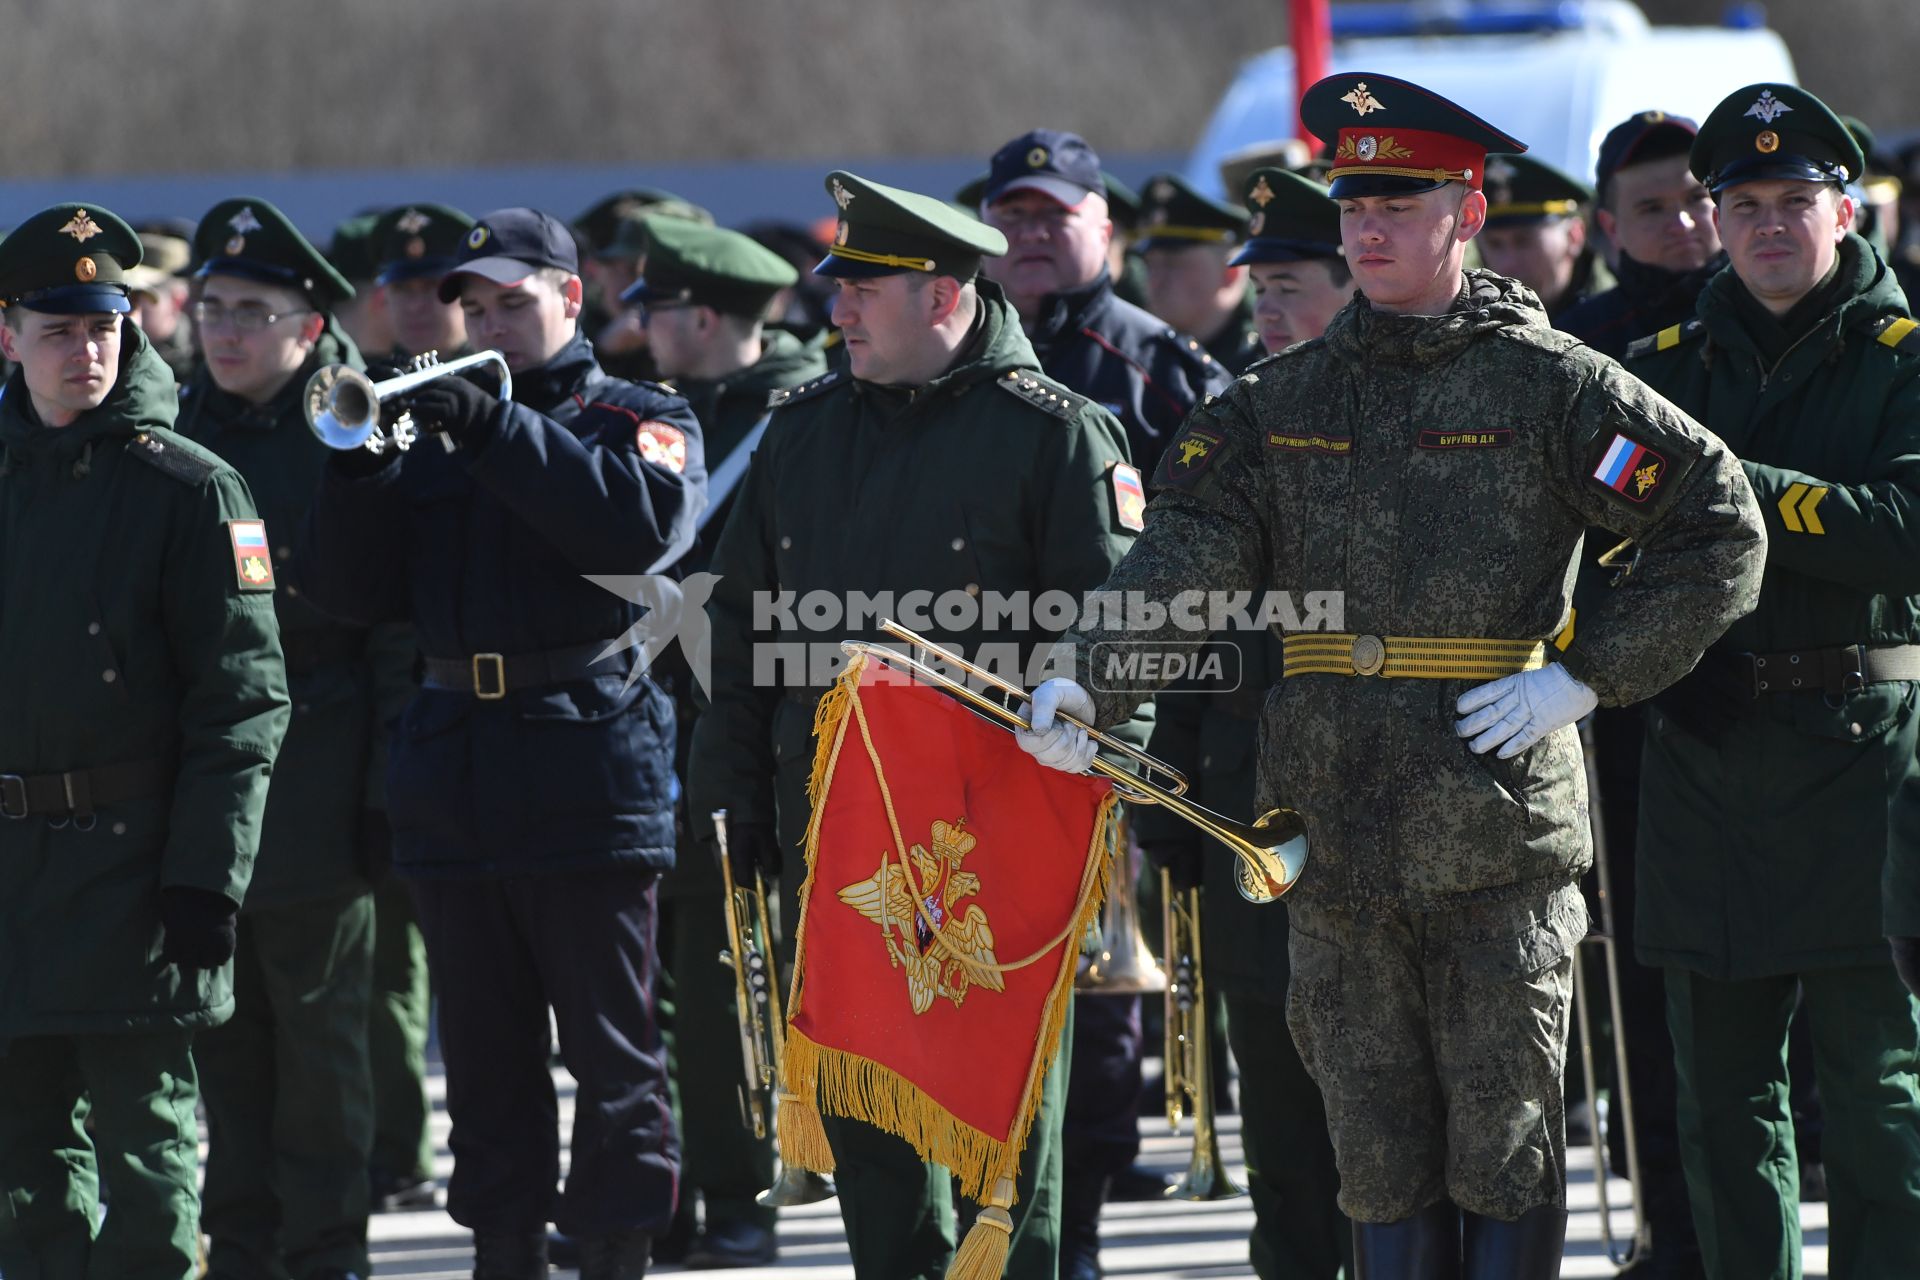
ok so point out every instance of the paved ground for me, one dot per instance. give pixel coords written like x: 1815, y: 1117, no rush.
x: 1171, y: 1241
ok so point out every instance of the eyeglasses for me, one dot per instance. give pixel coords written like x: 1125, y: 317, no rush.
x: 248, y: 317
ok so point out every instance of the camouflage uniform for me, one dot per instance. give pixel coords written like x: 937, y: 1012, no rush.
x: 1433, y: 930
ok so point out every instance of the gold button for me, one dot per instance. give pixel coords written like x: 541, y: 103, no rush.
x: 973, y: 588
x: 1369, y: 655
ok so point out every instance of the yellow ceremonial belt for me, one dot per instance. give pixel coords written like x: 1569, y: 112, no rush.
x: 1339, y: 653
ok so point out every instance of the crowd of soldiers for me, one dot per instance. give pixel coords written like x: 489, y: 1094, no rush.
x: 352, y: 750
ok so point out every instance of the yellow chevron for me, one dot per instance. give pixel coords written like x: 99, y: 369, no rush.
x: 1667, y: 337
x: 1798, y: 507
x: 1894, y: 334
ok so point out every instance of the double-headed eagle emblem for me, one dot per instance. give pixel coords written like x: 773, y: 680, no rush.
x: 946, y: 950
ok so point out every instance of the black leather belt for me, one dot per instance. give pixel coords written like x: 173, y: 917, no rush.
x: 78, y: 792
x: 308, y: 651
x: 1835, y: 672
x: 489, y: 676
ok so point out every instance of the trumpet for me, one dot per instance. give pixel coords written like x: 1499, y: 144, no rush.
x: 762, y: 1032
x: 1125, y: 965
x: 343, y: 404
x: 1189, y: 1069
x: 1272, y: 848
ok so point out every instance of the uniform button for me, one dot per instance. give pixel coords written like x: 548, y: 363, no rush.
x: 786, y: 544
x: 93, y: 628
x: 119, y: 828
x: 109, y: 675
x: 1206, y: 762
x: 973, y: 588
x: 959, y: 544
x: 283, y: 553
x: 1857, y: 730
x: 293, y: 591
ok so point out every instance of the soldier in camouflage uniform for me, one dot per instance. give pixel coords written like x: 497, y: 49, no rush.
x: 1436, y: 457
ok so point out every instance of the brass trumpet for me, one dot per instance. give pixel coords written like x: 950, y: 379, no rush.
x: 1272, y: 848
x: 1189, y: 1069
x: 343, y: 404
x: 1124, y: 965
x: 762, y: 1032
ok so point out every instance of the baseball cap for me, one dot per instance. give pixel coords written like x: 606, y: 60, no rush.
x: 1057, y: 164
x: 508, y: 245
x: 1645, y: 135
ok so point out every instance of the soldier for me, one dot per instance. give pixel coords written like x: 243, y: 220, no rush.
x: 1537, y: 232
x: 146, y: 708
x: 1188, y: 241
x: 1045, y: 193
x: 702, y: 299
x: 415, y: 244
x: 351, y: 253
x: 288, y: 1132
x: 159, y: 292
x: 894, y: 477
x: 1444, y: 496
x: 530, y: 785
x: 1294, y: 258
x: 614, y: 241
x: 1798, y: 731
x: 1659, y: 220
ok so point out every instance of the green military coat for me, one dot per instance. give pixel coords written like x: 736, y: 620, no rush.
x: 1762, y: 849
x: 129, y: 637
x: 314, y: 807
x: 990, y: 479
x: 1439, y: 472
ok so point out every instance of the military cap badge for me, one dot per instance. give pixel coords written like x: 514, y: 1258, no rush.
x: 81, y: 227
x: 85, y: 270
x: 1767, y: 108
x: 413, y: 222
x: 244, y: 221
x: 841, y: 196
x: 1262, y: 193
x: 1036, y: 157
x: 477, y: 236
x: 1766, y: 142
x: 1362, y: 101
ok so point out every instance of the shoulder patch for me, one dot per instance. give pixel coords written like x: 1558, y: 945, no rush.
x: 1897, y: 332
x: 1042, y: 392
x: 806, y: 390
x: 1129, y: 497
x: 1665, y: 340
x: 168, y: 457
x: 252, y: 562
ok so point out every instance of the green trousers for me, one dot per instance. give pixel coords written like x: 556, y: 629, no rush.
x: 720, y: 1157
x: 1736, y: 1128
x: 899, y: 1211
x: 397, y: 1037
x: 1299, y: 1232
x: 289, y: 1100
x: 144, y: 1146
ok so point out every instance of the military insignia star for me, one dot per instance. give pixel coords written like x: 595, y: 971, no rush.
x: 1262, y: 194
x: 244, y: 221
x: 81, y: 227
x: 1766, y: 108
x: 841, y: 196
x: 413, y: 222
x: 1362, y: 101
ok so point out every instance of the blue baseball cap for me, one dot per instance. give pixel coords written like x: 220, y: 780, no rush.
x: 508, y: 245
x: 1056, y: 164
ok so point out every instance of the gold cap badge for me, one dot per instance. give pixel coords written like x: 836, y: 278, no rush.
x: 1257, y: 223
x: 1262, y: 194
x: 1767, y: 142
x: 1036, y: 157
x: 1362, y: 101
x: 841, y: 196
x: 81, y: 227
x: 416, y: 248
x: 85, y: 270
x: 236, y: 245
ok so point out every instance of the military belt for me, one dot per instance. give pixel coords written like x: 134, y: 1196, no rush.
x: 77, y: 792
x: 491, y: 676
x: 308, y: 651
x: 1339, y: 653
x: 1835, y: 672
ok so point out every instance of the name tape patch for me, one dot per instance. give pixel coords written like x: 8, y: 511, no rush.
x: 1482, y: 438
x: 1630, y: 469
x: 1309, y: 444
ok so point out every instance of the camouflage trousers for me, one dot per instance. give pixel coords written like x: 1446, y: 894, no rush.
x: 1438, y: 1040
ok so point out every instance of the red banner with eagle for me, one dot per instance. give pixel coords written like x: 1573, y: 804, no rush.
x: 950, y: 879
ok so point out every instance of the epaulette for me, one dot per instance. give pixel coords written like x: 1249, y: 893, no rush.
x: 791, y: 395
x: 1042, y: 392
x: 1191, y: 349
x: 179, y: 463
x: 1897, y: 331
x: 1671, y: 336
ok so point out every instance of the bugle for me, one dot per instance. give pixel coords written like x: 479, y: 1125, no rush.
x: 1188, y: 1064
x: 1272, y: 848
x: 343, y: 404
x: 1124, y: 964
x: 757, y: 1010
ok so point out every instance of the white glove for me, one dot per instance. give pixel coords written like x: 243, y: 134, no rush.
x: 1520, y: 710
x: 1053, y: 742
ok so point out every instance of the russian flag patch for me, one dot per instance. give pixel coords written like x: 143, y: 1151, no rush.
x: 1630, y: 469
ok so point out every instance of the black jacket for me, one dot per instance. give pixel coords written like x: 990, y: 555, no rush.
x: 1646, y: 300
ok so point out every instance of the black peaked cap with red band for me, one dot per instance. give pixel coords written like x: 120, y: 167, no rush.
x: 1391, y: 137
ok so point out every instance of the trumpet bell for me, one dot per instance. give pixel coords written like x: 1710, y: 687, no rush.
x: 796, y: 1186
x: 343, y: 406
x: 1277, y: 841
x: 1124, y: 967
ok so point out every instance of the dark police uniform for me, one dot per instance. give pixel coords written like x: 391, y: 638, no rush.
x: 859, y: 487
x: 133, y: 771
x: 1107, y: 349
x: 289, y: 1132
x: 530, y: 784
x: 1780, y: 777
x: 1299, y: 1232
x: 690, y: 264
x: 1175, y: 217
x: 1522, y: 191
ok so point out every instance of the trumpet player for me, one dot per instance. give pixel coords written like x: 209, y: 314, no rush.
x: 289, y: 1132
x: 1435, y: 457
x: 530, y: 783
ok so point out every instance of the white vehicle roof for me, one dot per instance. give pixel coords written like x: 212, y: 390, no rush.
x: 1558, y: 89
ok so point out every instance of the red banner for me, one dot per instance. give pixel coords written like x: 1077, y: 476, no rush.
x: 950, y: 879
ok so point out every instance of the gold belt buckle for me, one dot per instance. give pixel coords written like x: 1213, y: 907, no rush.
x: 1369, y: 655
x: 481, y: 661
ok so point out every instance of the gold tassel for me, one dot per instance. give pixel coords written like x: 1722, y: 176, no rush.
x: 983, y: 1254
x: 803, y: 1138
x: 827, y: 715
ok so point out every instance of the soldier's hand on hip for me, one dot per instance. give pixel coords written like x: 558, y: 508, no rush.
x: 451, y: 404
x: 753, y: 847
x: 1180, y: 859
x: 1051, y: 740
x: 1516, y: 711
x: 199, y: 927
